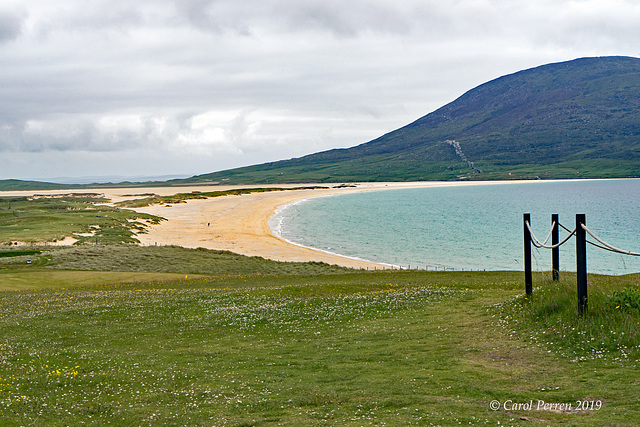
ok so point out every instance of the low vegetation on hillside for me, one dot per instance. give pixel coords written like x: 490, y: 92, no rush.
x: 574, y: 119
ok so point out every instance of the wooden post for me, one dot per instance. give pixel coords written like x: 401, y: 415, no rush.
x: 555, y: 252
x: 528, y: 279
x: 581, y: 258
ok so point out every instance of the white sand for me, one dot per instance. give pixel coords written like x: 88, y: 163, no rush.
x: 238, y: 223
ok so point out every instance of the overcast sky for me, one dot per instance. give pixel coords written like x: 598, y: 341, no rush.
x: 184, y: 87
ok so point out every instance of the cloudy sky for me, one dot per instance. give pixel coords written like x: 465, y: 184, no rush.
x: 184, y: 87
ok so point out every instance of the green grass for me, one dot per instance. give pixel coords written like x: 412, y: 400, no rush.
x: 335, y: 348
x: 19, y: 185
x: 49, y: 219
x: 16, y: 252
x: 610, y: 329
x: 157, y: 259
x: 39, y: 279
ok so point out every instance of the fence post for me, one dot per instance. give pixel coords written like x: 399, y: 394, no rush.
x: 581, y: 258
x: 528, y: 280
x: 555, y: 252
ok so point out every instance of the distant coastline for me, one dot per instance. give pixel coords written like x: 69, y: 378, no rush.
x: 240, y: 224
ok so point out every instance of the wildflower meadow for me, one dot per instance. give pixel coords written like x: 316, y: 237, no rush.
x: 323, y: 347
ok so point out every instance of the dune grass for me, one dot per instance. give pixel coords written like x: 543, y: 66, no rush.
x: 610, y: 329
x: 157, y: 259
x: 27, y: 220
x: 336, y: 348
x: 17, y: 252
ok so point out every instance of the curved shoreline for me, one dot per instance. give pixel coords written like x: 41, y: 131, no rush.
x: 240, y: 224
x: 278, y: 235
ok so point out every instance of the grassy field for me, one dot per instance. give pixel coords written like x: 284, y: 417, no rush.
x: 158, y: 259
x: 307, y: 344
x: 28, y: 220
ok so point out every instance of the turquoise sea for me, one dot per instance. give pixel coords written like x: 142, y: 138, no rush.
x: 475, y: 227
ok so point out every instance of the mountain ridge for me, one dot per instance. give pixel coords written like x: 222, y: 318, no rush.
x: 570, y: 119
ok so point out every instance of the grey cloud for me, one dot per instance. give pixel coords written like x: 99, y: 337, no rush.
x: 254, y: 80
x: 10, y: 26
x: 215, y: 16
x: 69, y: 134
x: 115, y: 16
x: 343, y: 19
x: 207, y: 133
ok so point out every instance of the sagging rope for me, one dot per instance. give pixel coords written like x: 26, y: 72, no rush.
x: 538, y: 244
x: 566, y: 229
x: 591, y: 243
x: 603, y: 245
x: 606, y: 245
x: 548, y: 235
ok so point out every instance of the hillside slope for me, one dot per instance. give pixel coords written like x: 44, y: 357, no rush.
x: 564, y: 120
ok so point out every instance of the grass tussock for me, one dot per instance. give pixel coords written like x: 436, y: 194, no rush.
x: 609, y: 329
x: 17, y: 252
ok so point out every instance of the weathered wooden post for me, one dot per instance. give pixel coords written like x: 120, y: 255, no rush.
x: 528, y: 279
x: 555, y: 252
x: 581, y: 258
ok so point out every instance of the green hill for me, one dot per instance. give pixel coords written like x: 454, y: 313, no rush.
x: 19, y: 185
x: 564, y: 120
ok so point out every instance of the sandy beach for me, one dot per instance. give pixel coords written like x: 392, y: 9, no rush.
x: 238, y: 223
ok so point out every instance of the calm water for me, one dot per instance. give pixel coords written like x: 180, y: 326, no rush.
x: 469, y: 227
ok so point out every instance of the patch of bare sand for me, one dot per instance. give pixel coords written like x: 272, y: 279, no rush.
x: 67, y: 241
